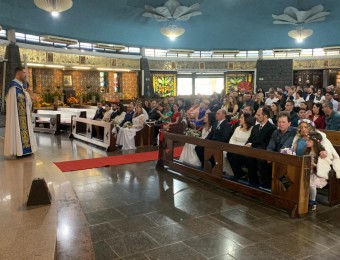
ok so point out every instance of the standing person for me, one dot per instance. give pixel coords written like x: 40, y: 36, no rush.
x: 19, y: 136
x: 313, y: 148
x: 332, y: 117
x: 259, y: 138
x: 221, y: 132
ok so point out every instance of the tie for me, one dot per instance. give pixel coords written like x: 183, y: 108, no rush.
x: 260, y: 128
x: 218, y: 125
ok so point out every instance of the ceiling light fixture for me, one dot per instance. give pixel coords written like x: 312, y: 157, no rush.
x: 172, y: 12
x: 300, y: 34
x: 172, y: 31
x: 54, y: 6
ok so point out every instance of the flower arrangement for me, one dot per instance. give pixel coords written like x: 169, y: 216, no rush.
x: 72, y: 100
x: 127, y: 125
x: 289, y: 151
x: 37, y: 100
x: 44, y: 104
x: 192, y: 132
x: 60, y: 103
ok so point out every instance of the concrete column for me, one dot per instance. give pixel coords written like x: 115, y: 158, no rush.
x: 146, y: 88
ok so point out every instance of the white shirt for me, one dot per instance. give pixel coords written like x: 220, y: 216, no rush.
x: 270, y: 101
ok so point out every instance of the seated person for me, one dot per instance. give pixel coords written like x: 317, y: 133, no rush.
x: 99, y: 112
x: 107, y: 114
x: 176, y: 115
x: 289, y: 107
x: 165, y: 115
x: 126, y: 134
x: 120, y: 115
x: 114, y: 112
x: 259, y: 138
x: 193, y: 112
x: 332, y: 117
x: 201, y: 113
x: 221, y: 132
x: 240, y: 137
x: 129, y: 115
x: 302, y: 113
x: 188, y: 154
x: 152, y: 111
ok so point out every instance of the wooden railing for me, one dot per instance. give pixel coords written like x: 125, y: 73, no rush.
x: 49, y: 124
x: 82, y: 128
x: 295, y: 169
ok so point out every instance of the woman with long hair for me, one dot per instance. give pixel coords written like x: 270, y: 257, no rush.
x: 127, y: 133
x: 319, y: 97
x: 202, y: 111
x: 314, y: 148
x: 232, y: 106
x: 259, y: 100
x: 275, y: 109
x: 188, y: 154
x: 240, y: 137
x: 318, y: 116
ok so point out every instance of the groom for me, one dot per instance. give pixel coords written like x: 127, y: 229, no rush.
x: 221, y: 132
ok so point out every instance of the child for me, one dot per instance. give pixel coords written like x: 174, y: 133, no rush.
x: 313, y: 148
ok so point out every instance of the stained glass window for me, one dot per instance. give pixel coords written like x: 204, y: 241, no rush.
x: 165, y: 84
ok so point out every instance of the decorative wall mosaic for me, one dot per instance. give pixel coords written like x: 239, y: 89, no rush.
x: 165, y: 84
x: 38, y: 56
x: 316, y: 64
x: 2, y: 51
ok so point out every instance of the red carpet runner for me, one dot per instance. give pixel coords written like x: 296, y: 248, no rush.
x: 79, y: 165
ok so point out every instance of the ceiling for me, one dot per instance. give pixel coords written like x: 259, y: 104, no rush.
x: 225, y: 24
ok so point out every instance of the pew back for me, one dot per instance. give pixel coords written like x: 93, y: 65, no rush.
x: 294, y: 169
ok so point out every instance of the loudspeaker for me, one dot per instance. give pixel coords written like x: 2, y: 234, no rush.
x: 39, y: 193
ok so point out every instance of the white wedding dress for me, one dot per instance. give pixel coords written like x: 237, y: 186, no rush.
x: 189, y: 155
x: 126, y: 136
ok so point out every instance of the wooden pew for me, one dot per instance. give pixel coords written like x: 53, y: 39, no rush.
x: 81, y: 128
x: 52, y: 125
x: 145, y: 136
x: 295, y: 169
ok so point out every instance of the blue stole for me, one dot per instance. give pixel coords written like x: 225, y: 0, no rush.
x: 22, y: 115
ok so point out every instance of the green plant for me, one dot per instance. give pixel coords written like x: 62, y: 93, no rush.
x: 48, y: 97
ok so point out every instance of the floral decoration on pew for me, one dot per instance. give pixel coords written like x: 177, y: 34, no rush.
x: 44, y: 104
x: 72, y: 100
x: 287, y: 150
x: 192, y: 132
x: 127, y: 125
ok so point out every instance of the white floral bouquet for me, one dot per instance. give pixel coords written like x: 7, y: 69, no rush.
x: 192, y: 132
x: 127, y: 125
x: 289, y: 151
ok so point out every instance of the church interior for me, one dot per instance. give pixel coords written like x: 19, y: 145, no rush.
x: 169, y: 129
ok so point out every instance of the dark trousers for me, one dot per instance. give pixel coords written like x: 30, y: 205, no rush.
x: 266, y: 175
x: 256, y: 166
x: 200, y: 154
x: 236, y: 161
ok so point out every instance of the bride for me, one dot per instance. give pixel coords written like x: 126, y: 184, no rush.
x: 126, y: 134
x: 188, y: 154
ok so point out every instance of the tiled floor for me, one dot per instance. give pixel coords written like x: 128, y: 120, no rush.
x: 134, y: 212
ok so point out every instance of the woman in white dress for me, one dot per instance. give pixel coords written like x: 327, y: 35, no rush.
x: 240, y: 137
x: 188, y: 154
x: 126, y: 135
x: 121, y: 115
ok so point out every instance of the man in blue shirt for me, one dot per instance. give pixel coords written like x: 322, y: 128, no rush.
x: 332, y: 117
x: 129, y: 115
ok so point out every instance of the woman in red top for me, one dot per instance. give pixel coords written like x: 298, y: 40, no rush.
x: 318, y: 116
x: 175, y: 115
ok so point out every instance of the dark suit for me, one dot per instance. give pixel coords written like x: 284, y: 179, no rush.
x: 220, y: 133
x: 99, y: 114
x: 153, y: 115
x: 128, y: 118
x: 259, y: 138
x: 311, y: 97
x: 113, y: 115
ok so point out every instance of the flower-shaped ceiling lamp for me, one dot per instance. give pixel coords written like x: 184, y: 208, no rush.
x: 299, y: 34
x: 292, y: 15
x: 172, y: 11
x: 54, y: 6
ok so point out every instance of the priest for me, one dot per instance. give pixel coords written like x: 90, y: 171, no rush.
x: 19, y: 135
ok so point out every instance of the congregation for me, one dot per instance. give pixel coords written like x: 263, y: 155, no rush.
x: 286, y: 121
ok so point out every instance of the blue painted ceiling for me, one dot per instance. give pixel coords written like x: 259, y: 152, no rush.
x: 225, y: 24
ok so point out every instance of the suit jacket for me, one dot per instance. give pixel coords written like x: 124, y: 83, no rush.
x: 99, y: 114
x: 221, y: 134
x: 260, y: 138
x: 311, y: 97
x: 128, y: 118
x: 113, y: 115
x: 153, y: 115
